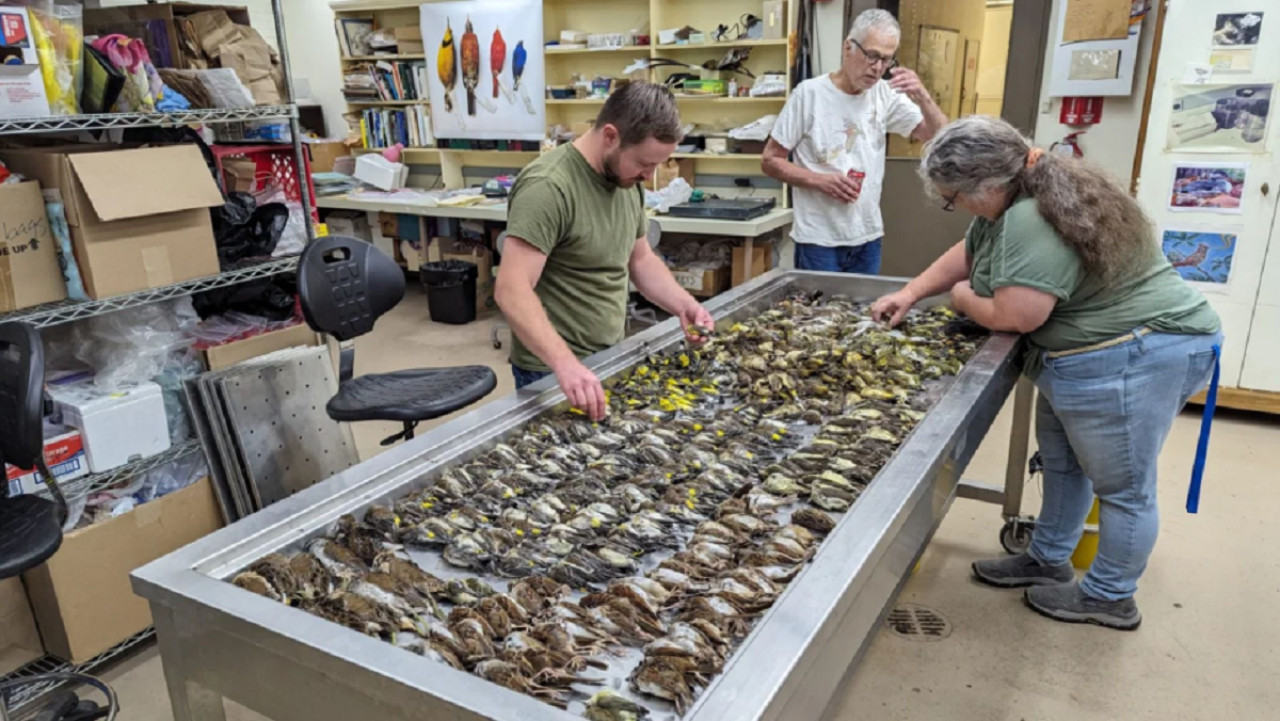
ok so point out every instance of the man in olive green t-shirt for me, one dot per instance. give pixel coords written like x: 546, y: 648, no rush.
x: 576, y: 237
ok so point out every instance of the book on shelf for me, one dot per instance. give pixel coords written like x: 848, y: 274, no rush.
x: 386, y: 81
x: 384, y: 127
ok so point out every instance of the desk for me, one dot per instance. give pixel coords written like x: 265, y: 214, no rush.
x: 747, y: 230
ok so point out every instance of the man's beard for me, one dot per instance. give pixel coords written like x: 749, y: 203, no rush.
x: 611, y: 171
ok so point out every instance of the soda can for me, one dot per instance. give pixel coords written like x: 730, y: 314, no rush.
x: 856, y: 176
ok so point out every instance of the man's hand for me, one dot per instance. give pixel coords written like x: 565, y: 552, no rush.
x: 838, y: 186
x: 905, y: 81
x: 891, y: 308
x: 582, y: 388
x: 695, y: 318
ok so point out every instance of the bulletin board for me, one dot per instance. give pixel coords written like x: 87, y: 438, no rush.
x: 1095, y: 49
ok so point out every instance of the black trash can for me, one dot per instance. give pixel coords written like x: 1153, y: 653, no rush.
x: 451, y: 290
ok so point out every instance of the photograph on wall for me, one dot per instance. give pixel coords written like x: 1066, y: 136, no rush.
x: 1208, y: 187
x: 1201, y: 257
x: 936, y: 63
x: 1220, y: 118
x: 485, y: 69
x: 1231, y: 60
x: 1237, y: 29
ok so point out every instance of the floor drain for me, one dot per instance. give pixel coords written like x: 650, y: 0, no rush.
x: 918, y: 623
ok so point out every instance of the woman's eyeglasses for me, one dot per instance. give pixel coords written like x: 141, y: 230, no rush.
x: 889, y: 61
x: 950, y: 205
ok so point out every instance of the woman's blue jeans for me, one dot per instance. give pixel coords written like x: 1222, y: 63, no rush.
x: 1101, y: 420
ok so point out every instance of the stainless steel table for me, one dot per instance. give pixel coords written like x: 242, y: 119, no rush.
x: 219, y: 641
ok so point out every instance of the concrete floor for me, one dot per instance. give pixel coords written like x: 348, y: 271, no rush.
x: 1207, y: 648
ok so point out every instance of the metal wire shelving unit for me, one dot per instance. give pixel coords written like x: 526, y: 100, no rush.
x: 103, y: 121
x: 51, y: 664
x: 53, y: 314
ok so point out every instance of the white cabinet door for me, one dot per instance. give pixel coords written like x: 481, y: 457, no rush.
x: 1188, y: 41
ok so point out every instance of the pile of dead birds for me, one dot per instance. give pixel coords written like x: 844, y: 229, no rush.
x: 668, y: 527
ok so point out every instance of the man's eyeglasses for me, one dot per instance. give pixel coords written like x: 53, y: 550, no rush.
x: 950, y: 205
x: 889, y: 61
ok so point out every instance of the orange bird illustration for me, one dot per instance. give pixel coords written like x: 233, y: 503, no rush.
x: 470, y: 66
x: 497, y: 57
x: 1191, y: 261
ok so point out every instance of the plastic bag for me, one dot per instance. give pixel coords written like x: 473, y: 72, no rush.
x: 294, y: 238
x: 677, y: 192
x: 243, y: 229
x: 135, y: 345
x: 58, y: 31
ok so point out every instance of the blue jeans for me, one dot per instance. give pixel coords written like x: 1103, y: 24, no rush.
x: 862, y: 259
x: 1101, y: 420
x: 526, y: 377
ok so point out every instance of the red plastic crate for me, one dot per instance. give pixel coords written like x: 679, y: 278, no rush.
x: 276, y: 167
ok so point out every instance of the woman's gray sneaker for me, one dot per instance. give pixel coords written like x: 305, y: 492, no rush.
x: 1020, y: 571
x: 1068, y: 602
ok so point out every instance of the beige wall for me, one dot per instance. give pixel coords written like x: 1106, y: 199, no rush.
x: 967, y: 16
x: 994, y: 59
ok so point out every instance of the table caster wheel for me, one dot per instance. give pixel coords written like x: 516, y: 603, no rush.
x: 1015, y: 537
x: 497, y: 345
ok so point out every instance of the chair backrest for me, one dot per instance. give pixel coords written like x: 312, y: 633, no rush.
x: 21, y: 395
x: 345, y: 285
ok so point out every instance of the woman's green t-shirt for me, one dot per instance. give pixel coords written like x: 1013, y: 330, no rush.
x: 1021, y: 249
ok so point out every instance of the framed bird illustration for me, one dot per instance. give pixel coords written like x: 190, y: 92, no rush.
x: 490, y: 69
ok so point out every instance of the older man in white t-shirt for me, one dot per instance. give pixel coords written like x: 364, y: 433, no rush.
x: 834, y: 127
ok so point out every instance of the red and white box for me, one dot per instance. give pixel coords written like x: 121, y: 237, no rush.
x: 63, y: 451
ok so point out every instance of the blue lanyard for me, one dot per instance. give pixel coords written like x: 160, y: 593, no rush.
x: 1206, y: 422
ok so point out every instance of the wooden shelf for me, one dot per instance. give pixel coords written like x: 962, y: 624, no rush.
x: 782, y: 43
x: 718, y: 156
x: 725, y: 99
x: 553, y: 50
x: 369, y: 58
x: 387, y: 103
x: 575, y: 101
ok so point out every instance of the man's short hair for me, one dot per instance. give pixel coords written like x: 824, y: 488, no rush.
x: 641, y: 111
x: 881, y: 21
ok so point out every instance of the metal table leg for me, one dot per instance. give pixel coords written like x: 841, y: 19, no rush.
x: 190, y: 701
x: 1015, y: 536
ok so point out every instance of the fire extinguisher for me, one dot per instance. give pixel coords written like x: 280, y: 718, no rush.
x: 1069, y: 146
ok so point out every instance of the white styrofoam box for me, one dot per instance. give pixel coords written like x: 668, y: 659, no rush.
x: 351, y: 223
x: 381, y: 173
x: 117, y: 427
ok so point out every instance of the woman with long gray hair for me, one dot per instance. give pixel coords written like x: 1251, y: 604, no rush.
x: 1117, y: 344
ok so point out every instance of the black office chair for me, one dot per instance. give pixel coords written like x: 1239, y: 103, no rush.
x: 345, y: 285
x: 31, y: 526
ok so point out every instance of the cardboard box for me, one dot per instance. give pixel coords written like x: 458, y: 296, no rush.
x: 702, y: 283
x: 82, y: 598
x: 409, y: 40
x: 19, y: 636
x: 351, y: 223
x: 64, y: 454
x: 761, y: 262
x: 229, y: 354
x: 323, y: 155
x: 139, y: 218
x: 484, y: 275
x: 29, y: 271
x: 238, y: 175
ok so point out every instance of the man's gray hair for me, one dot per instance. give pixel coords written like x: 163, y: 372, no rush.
x: 881, y: 21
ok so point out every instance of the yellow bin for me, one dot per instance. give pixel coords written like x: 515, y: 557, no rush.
x: 1087, y: 548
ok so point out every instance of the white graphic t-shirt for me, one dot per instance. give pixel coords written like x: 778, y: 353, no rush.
x: 831, y: 131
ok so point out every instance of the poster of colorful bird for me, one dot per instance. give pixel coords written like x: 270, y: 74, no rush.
x: 1201, y: 257
x: 487, y: 72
